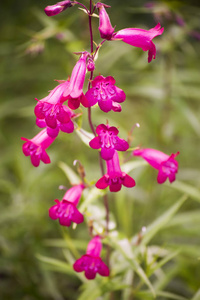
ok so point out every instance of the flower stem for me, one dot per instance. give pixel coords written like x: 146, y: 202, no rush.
x: 93, y: 130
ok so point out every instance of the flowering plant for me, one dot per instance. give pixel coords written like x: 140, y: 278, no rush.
x: 57, y: 112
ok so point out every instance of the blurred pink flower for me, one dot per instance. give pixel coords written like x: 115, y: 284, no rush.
x: 105, y: 28
x: 166, y: 165
x: 57, y: 8
x: 108, y: 141
x: 140, y: 38
x: 66, y: 210
x: 35, y: 148
x: 106, y: 94
x: 115, y: 178
x: 91, y: 262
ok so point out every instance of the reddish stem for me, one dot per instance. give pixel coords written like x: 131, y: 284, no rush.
x: 92, y: 126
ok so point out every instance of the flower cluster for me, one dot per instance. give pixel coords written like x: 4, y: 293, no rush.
x: 56, y: 112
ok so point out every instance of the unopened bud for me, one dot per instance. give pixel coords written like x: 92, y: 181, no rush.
x: 90, y: 65
x: 57, y: 8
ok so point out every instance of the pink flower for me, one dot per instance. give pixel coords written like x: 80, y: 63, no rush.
x: 91, y: 262
x: 52, y: 113
x: 74, y: 91
x: 35, y: 148
x: 140, y: 38
x: 166, y: 165
x: 108, y: 141
x: 66, y: 210
x: 106, y: 94
x: 61, y: 119
x: 57, y: 8
x: 115, y: 178
x: 105, y: 28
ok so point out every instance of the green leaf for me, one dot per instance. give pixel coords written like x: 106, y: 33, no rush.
x: 71, y: 175
x: 186, y: 189
x: 159, y: 223
x: 196, y: 296
x: 163, y: 261
x: 56, y: 264
x: 85, y: 136
x: 124, y: 248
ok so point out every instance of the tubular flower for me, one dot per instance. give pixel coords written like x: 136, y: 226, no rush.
x: 108, y: 141
x: 106, y: 94
x: 52, y: 113
x: 57, y: 8
x: 115, y: 178
x: 74, y: 91
x: 91, y: 262
x: 105, y: 28
x: 166, y: 165
x: 60, y: 121
x: 65, y: 210
x: 35, y: 148
x: 140, y: 38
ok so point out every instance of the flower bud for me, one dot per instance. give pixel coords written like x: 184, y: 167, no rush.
x: 57, y: 8
x: 90, y: 65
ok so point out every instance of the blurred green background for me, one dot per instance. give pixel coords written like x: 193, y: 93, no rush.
x: 163, y: 97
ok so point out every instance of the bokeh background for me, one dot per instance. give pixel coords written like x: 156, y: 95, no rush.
x: 163, y: 97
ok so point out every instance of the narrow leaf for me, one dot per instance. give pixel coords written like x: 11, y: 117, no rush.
x: 71, y: 175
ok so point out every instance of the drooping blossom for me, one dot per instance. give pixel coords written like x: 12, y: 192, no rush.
x: 105, y: 28
x: 140, y: 38
x: 74, y: 91
x: 51, y: 113
x: 36, y: 148
x: 115, y: 178
x: 57, y: 8
x: 91, y: 263
x: 166, y: 165
x: 106, y: 94
x: 66, y: 209
x: 108, y: 141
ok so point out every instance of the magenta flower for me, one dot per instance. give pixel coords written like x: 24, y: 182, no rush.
x: 105, y: 28
x: 115, y: 178
x: 106, y: 94
x: 35, y: 148
x: 52, y: 113
x: 57, y: 8
x: 166, y: 165
x: 108, y: 141
x: 61, y: 120
x: 65, y: 210
x: 91, y: 262
x: 140, y: 38
x: 74, y: 91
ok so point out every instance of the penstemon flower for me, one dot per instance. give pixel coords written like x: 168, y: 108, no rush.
x: 166, y: 165
x: 66, y: 210
x: 57, y: 8
x: 51, y: 113
x: 140, y: 38
x: 35, y: 148
x: 105, y: 28
x: 91, y: 263
x: 108, y: 141
x: 106, y: 94
x: 115, y: 178
x: 61, y: 120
